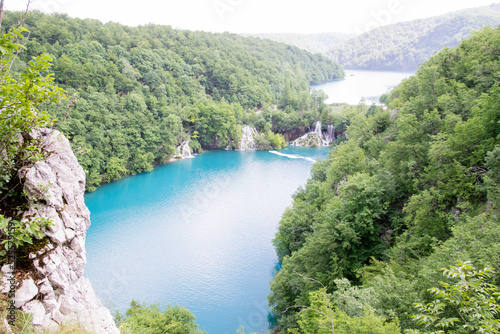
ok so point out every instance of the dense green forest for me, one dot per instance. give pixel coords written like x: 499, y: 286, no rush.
x: 403, y: 46
x: 314, y: 43
x: 416, y: 188
x: 135, y: 94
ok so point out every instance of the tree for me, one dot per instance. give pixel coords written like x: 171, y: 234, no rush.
x: 150, y: 319
x: 492, y: 178
x: 22, y: 98
x: 1, y: 12
x: 324, y: 317
x: 469, y: 305
x: 20, y: 114
x: 130, y: 80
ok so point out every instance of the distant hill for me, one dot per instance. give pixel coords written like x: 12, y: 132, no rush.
x: 403, y: 46
x: 314, y: 43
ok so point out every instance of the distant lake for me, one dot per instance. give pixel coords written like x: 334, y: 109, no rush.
x: 361, y: 84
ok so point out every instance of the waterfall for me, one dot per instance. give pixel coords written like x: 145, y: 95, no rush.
x: 313, y: 138
x: 248, y: 138
x: 317, y: 129
x: 330, y: 133
x: 184, y: 151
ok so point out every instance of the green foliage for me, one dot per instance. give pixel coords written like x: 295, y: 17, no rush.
x: 270, y: 141
x: 492, y: 177
x: 241, y: 330
x: 323, y: 317
x: 23, y: 96
x: 394, y: 291
x: 411, y: 191
x: 150, y: 319
x: 346, y: 230
x: 353, y: 300
x: 294, y: 228
x: 314, y: 43
x: 138, y: 93
x: 19, y: 233
x: 277, y: 140
x: 218, y: 122
x: 469, y: 305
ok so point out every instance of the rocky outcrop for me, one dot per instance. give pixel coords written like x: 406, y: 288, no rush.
x: 394, y: 113
x: 293, y: 134
x: 316, y: 137
x: 57, y: 292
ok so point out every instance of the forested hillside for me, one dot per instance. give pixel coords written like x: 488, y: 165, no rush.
x: 314, y: 43
x: 416, y: 188
x: 135, y: 94
x: 403, y: 46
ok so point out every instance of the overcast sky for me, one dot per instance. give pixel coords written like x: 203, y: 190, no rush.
x: 254, y: 16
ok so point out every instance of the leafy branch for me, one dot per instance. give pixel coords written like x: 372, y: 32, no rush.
x: 19, y: 233
x: 468, y: 306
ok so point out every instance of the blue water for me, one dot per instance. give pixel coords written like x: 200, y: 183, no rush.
x: 359, y: 84
x: 196, y: 232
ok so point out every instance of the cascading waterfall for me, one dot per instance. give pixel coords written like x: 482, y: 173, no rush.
x: 317, y: 129
x: 316, y: 137
x: 184, y: 151
x: 330, y: 133
x: 248, y: 138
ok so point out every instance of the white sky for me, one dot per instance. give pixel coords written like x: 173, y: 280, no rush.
x: 254, y: 16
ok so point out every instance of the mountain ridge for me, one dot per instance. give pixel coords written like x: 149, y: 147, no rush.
x: 400, y: 46
x: 314, y: 43
x: 403, y: 46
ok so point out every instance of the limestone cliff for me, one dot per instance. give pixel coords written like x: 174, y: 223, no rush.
x: 56, y: 291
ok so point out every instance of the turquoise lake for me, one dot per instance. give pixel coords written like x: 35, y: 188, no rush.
x: 197, y: 233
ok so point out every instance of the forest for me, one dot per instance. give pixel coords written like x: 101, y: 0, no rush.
x: 397, y: 230
x: 404, y: 46
x: 134, y: 94
x: 314, y: 43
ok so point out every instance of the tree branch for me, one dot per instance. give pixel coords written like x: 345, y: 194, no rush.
x: 19, y: 49
x: 1, y: 12
x: 20, y: 23
x: 310, y: 279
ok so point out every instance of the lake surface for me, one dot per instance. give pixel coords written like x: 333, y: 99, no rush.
x: 197, y: 233
x: 359, y: 84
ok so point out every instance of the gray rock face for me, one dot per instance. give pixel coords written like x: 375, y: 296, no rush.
x: 25, y: 293
x: 37, y: 309
x: 56, y: 186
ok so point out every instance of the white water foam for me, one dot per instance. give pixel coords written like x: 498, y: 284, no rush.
x: 292, y: 156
